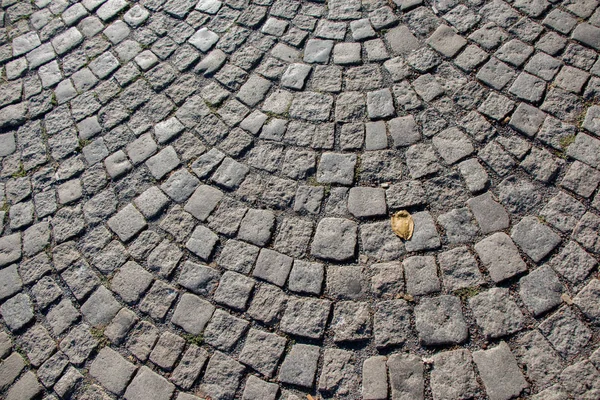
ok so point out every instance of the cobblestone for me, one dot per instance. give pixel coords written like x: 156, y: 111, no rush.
x: 195, y: 199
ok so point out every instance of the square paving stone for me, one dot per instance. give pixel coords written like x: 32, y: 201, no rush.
x: 379, y: 242
x: 100, y: 307
x: 148, y: 385
x: 112, y: 370
x: 421, y: 161
x: 238, y: 256
x: 346, y: 282
x: 10, y: 249
x: 267, y: 304
x: 406, y: 376
x: 262, y: 351
x: 496, y: 313
x: 453, y: 376
x: 311, y: 106
x: 542, y: 362
x: 587, y: 232
x: 306, y: 277
x: 257, y: 389
x: 541, y: 290
x: 439, y: 321
x: 180, y: 185
x: 387, y: 280
x: 527, y: 119
x: 78, y: 344
x: 453, y: 145
x: 380, y: 104
x: 222, y: 377
x: 158, y: 300
x: 573, y: 263
x: 458, y: 225
x: 131, y: 281
x: 167, y: 350
x: 528, y: 87
x: 446, y: 41
x: 234, y: 290
x: 567, y: 334
x: 581, y: 179
x: 366, y: 202
x: 300, y: 366
x: 306, y: 317
x: 421, y: 275
x: 10, y: 282
x: 17, y: 311
x: 563, y: 212
x: 499, y: 372
x: 336, y: 168
x: 273, y: 267
x: 588, y: 301
x: 500, y: 256
x: 257, y: 227
x: 351, y: 321
x: 202, y: 242
x: 391, y: 323
x: 535, y: 239
x: 496, y: 74
x: 580, y: 380
x: 189, y: 367
x: 192, y: 313
x: 127, y: 223
x: 141, y: 338
x: 490, y: 215
x: 425, y: 235
x: 203, y: 202
x: 200, y: 279
x: 224, y: 330
x: 335, y: 239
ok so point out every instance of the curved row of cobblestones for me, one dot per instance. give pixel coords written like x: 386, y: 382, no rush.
x: 196, y: 198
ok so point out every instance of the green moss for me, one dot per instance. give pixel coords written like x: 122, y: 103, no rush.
x: 194, y: 339
x: 20, y: 172
x: 468, y: 292
x: 566, y: 141
x: 98, y: 334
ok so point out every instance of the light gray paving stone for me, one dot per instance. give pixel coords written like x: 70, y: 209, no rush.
x: 406, y: 378
x: 120, y: 326
x: 453, y: 376
x: 112, y: 370
x: 263, y: 351
x: 10, y: 281
x: 335, y: 239
x: 496, y: 313
x: 500, y: 256
x: 425, y: 235
x: 439, y: 321
x: 17, y: 311
x: 300, y: 365
x: 222, y: 377
x: 567, y: 334
x: 192, y: 313
x: 499, y: 372
x: 391, y: 323
x: 268, y: 304
x: 351, y: 321
x: 306, y: 317
x: 256, y: 388
x: 127, y: 223
x: 338, y: 376
x: 587, y: 301
x: 534, y: 238
x: 542, y: 362
x: 541, y: 290
x: 490, y: 215
x: 421, y: 275
x: 147, y: 384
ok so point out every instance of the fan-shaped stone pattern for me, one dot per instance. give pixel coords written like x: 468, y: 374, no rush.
x: 195, y: 199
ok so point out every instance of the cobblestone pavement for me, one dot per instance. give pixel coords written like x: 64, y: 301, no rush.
x: 196, y: 199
